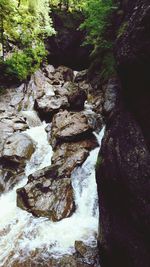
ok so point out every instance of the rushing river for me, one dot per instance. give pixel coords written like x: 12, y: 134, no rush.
x: 21, y: 233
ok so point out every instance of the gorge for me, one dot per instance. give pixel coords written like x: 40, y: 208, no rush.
x: 74, y: 141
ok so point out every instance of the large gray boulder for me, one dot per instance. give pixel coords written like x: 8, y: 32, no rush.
x: 67, y: 156
x: 47, y: 106
x: 18, y: 148
x: 9, y: 124
x: 47, y: 197
x: 69, y: 126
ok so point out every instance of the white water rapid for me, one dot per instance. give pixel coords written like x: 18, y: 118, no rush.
x: 22, y: 234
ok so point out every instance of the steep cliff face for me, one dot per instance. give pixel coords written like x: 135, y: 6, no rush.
x: 133, y: 59
x: 123, y: 177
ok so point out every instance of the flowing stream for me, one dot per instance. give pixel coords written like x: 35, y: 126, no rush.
x: 21, y: 233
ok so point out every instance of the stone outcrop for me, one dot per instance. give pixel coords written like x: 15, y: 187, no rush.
x: 123, y: 185
x: 133, y: 61
x: 123, y: 173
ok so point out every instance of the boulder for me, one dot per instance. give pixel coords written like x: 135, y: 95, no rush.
x: 81, y: 76
x: 9, y: 124
x: 47, y: 197
x: 76, y: 96
x: 69, y: 126
x: 67, y: 73
x: 17, y: 148
x: 48, y: 106
x: 67, y: 156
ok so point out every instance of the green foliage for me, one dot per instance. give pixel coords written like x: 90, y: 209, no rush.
x: 23, y: 63
x: 97, y: 20
x: 24, y: 25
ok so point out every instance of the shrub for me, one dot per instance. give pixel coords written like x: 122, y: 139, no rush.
x: 23, y: 63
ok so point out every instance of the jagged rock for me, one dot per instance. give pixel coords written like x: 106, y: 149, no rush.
x: 67, y: 73
x: 17, y: 148
x: 9, y: 176
x: 47, y: 197
x: 77, y: 99
x: 35, y: 260
x: 67, y: 156
x: 49, y: 70
x: 42, y: 84
x: 69, y: 126
x: 9, y: 124
x: 88, y: 254
x: 48, y: 106
x: 81, y: 76
x: 76, y: 96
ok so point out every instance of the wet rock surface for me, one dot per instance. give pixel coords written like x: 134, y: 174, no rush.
x: 9, y: 124
x: 15, y: 149
x: 87, y: 254
x: 48, y: 106
x: 65, y: 261
x: 18, y: 148
x: 69, y: 126
x: 47, y: 197
x: 9, y: 176
x: 67, y: 156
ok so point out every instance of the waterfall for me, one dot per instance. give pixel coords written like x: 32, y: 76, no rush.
x: 21, y: 233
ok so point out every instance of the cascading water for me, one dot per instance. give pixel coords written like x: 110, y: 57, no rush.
x: 21, y: 233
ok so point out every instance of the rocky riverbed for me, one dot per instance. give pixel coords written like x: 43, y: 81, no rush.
x: 48, y: 152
